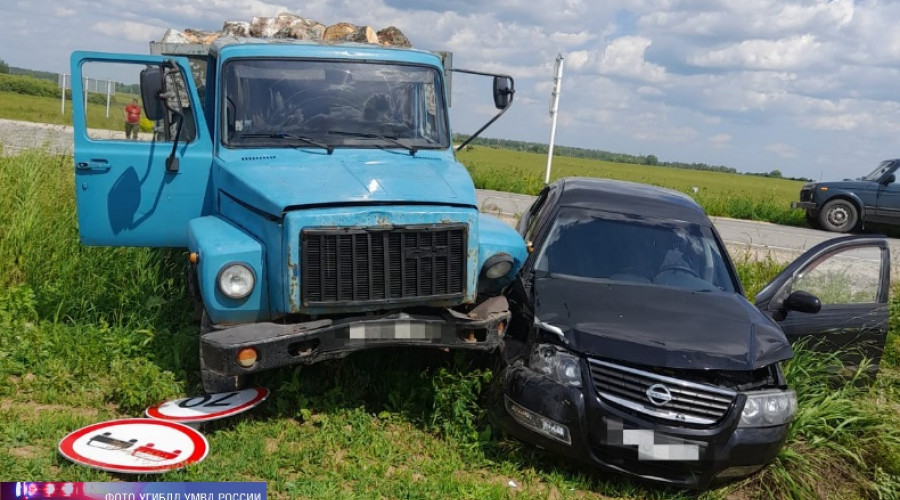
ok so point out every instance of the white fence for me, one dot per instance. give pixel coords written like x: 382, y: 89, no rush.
x: 94, y: 85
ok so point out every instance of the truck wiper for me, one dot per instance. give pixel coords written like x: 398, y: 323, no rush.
x: 369, y: 135
x: 282, y: 135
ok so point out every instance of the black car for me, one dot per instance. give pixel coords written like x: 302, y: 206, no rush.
x: 633, y: 348
x: 843, y: 206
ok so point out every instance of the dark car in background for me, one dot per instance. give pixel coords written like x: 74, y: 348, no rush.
x: 842, y: 206
x: 633, y: 348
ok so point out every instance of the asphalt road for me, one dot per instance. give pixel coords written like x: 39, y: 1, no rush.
x: 756, y: 239
x: 743, y: 237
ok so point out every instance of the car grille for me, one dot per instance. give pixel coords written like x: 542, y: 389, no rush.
x: 675, y: 400
x: 370, y: 265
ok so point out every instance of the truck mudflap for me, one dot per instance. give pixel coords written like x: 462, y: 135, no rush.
x: 279, y: 345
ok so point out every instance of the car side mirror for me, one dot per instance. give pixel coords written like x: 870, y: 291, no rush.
x: 151, y: 87
x: 802, y: 302
x: 503, y: 91
x: 889, y: 179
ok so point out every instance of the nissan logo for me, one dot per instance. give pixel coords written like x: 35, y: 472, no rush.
x: 659, y: 394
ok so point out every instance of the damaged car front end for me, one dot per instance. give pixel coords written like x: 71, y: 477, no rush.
x: 633, y: 347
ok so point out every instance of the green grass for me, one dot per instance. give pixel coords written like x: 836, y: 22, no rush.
x: 39, y: 109
x: 88, y: 334
x: 720, y: 193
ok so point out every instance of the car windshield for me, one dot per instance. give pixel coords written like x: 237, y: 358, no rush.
x: 878, y: 172
x: 618, y: 248
x: 314, y: 103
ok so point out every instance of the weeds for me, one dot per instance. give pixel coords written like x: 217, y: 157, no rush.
x: 841, y: 441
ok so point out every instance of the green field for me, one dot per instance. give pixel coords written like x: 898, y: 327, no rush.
x: 88, y: 334
x: 38, y: 109
x: 724, y: 194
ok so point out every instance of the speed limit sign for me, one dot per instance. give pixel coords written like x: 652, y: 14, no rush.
x: 208, y: 407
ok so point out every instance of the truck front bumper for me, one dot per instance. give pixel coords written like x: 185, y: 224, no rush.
x: 309, y: 342
x: 806, y: 205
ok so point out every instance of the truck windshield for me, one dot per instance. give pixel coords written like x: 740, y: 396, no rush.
x: 333, y: 103
x: 619, y: 248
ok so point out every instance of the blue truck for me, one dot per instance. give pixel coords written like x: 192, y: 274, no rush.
x: 316, y: 189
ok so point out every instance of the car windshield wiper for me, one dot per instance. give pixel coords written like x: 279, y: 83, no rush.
x: 369, y: 135
x: 282, y: 135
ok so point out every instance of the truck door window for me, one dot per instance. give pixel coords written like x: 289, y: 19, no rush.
x: 114, y: 110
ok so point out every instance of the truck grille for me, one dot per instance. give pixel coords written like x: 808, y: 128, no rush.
x: 660, y: 397
x: 370, y: 265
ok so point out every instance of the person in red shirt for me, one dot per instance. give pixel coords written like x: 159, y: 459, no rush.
x: 132, y: 120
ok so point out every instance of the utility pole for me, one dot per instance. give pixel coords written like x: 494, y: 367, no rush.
x: 554, y: 107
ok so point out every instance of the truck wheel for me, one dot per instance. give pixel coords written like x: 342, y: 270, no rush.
x: 839, y: 216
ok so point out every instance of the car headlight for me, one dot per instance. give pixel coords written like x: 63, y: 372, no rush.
x: 768, y: 408
x: 236, y: 280
x: 497, y: 266
x: 557, y: 364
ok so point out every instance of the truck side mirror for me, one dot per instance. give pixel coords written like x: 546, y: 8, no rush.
x: 503, y: 91
x: 151, y: 87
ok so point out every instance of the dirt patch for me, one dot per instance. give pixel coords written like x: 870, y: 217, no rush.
x: 24, y: 452
x: 31, y: 411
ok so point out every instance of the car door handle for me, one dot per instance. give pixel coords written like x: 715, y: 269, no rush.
x: 99, y: 165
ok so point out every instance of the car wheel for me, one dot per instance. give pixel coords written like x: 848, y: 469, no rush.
x: 839, y: 216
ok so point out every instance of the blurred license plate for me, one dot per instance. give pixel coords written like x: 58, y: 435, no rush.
x: 396, y: 331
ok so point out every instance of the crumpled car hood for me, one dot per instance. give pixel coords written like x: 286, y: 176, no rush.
x: 660, y: 326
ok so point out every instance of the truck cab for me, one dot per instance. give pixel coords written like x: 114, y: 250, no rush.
x: 316, y: 190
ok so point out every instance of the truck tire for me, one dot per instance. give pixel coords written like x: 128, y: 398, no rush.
x: 839, y: 216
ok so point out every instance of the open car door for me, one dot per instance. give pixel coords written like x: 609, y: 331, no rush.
x: 850, y: 276
x: 127, y: 192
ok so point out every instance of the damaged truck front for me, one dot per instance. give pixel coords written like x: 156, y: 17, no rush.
x: 316, y: 189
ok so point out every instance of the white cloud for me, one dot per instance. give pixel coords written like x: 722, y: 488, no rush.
x: 578, y: 59
x: 624, y: 56
x: 63, y: 12
x: 572, y: 39
x: 720, y: 141
x: 844, y: 122
x: 781, y: 149
x: 786, y: 54
x: 129, y: 30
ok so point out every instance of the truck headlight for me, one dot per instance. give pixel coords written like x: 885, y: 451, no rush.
x: 768, y: 408
x: 557, y: 364
x: 497, y: 266
x: 236, y: 280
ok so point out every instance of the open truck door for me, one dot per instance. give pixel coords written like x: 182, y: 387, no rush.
x: 143, y: 188
x: 835, y: 298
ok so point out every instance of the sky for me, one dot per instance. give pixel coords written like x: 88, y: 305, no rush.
x: 809, y: 88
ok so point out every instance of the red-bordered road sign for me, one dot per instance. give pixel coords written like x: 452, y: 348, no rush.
x: 135, y: 446
x: 209, y: 407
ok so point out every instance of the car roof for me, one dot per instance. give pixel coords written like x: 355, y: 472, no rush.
x: 629, y: 198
